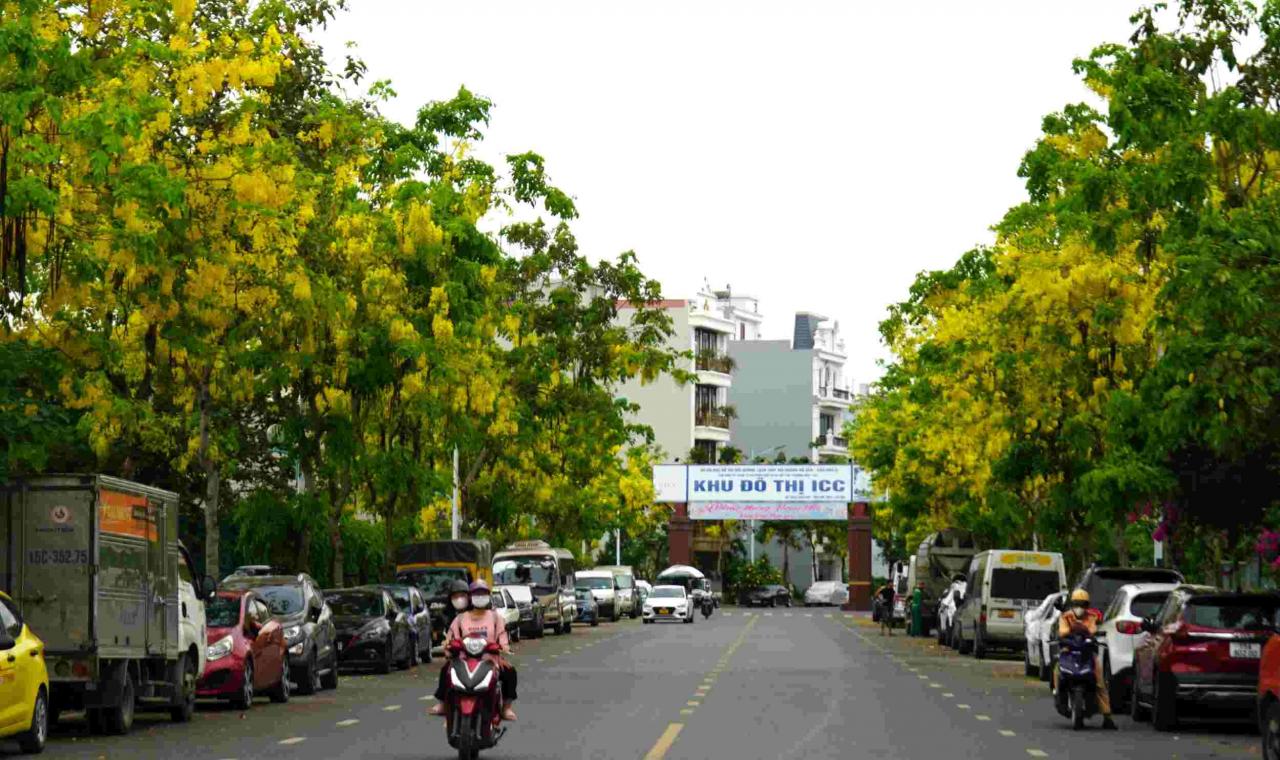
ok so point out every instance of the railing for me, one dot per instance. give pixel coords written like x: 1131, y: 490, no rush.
x: 716, y: 418
x: 831, y: 440
x: 713, y: 362
x: 827, y: 391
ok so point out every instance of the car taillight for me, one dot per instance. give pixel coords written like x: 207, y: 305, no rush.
x: 1129, y: 627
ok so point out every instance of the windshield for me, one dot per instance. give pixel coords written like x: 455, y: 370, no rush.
x: 222, y: 612
x: 1247, y: 613
x: 539, y: 571
x: 596, y: 583
x: 1007, y: 583
x: 668, y: 592
x: 282, y: 600
x: 684, y: 581
x: 355, y: 605
x: 434, y: 581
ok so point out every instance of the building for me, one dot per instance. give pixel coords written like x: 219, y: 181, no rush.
x: 694, y: 417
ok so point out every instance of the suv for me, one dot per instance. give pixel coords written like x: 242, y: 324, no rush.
x: 1102, y: 583
x: 296, y: 602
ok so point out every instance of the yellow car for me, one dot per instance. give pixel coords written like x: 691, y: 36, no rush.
x: 24, y: 681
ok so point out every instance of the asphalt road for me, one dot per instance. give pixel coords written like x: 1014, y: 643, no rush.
x: 770, y: 684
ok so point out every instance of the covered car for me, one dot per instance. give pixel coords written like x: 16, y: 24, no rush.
x: 826, y: 594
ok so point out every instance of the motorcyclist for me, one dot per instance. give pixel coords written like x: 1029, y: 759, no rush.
x: 1079, y: 619
x: 479, y: 619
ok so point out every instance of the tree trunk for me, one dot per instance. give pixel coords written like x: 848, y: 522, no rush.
x: 212, y: 490
x: 337, y: 499
x: 306, y: 502
x: 1122, y: 545
x: 786, y: 562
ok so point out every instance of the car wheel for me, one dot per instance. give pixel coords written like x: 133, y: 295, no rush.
x: 1029, y: 670
x: 33, y: 740
x: 979, y: 644
x: 407, y: 662
x: 1046, y: 668
x: 1139, y: 713
x: 309, y: 681
x: 788, y: 602
x: 1164, y: 703
x: 119, y: 719
x: 244, y: 700
x: 384, y: 666
x: 1271, y: 732
x: 329, y: 680
x: 595, y: 620
x: 281, y: 692
x: 182, y: 712
x: 413, y: 652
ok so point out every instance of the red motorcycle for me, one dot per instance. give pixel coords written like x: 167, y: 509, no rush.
x: 473, y: 720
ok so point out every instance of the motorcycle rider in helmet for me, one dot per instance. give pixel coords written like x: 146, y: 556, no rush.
x: 481, y: 620
x: 1079, y: 619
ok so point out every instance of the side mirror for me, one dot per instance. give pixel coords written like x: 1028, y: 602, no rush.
x: 6, y: 641
x: 1059, y: 604
x: 208, y: 587
x: 1148, y: 625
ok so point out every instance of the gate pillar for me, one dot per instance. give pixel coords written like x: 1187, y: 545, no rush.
x: 859, y: 557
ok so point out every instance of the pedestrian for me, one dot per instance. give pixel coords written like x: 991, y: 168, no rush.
x: 917, y: 611
x: 884, y: 597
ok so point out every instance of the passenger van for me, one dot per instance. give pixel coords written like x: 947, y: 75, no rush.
x: 628, y: 601
x: 1003, y: 584
x: 546, y: 571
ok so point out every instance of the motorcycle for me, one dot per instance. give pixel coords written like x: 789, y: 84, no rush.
x: 473, y: 719
x: 1077, y: 694
x: 707, y: 606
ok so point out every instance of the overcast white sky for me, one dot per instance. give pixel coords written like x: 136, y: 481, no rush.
x: 816, y: 155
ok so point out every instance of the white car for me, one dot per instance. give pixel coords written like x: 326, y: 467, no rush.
x: 1121, y: 631
x: 947, y: 611
x: 826, y: 593
x: 1038, y: 625
x: 668, y: 603
x: 505, y: 605
x: 604, y: 589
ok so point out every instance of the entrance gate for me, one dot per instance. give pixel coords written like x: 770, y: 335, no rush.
x: 770, y: 492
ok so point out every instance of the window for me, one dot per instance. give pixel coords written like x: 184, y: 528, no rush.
x: 1247, y: 613
x: 1146, y: 605
x: 1016, y: 583
x: 222, y: 612
x: 10, y: 620
x: 1172, y: 608
x: 706, y: 398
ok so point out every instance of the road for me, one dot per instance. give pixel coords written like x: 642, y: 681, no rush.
x: 770, y: 684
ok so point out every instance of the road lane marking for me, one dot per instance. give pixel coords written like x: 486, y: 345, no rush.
x: 664, y: 742
x: 962, y: 707
x: 293, y: 740
x: 935, y: 686
x: 1006, y: 732
x: 768, y: 614
x: 428, y: 698
x: 808, y: 614
x: 391, y: 708
x: 687, y: 711
x: 983, y: 717
x: 693, y: 703
x: 1037, y: 753
x: 948, y: 695
x: 828, y: 616
x: 347, y: 722
x: 923, y: 677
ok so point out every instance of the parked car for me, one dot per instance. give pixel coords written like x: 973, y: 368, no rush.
x: 1103, y: 583
x: 643, y: 590
x: 25, y: 709
x: 947, y: 612
x: 628, y: 604
x: 505, y: 606
x: 252, y: 570
x: 568, y: 608
x: 372, y: 631
x: 1003, y: 585
x: 669, y: 603
x: 1121, y: 631
x: 414, y: 605
x: 1269, y: 699
x: 588, y: 610
x: 531, y: 621
x: 767, y: 596
x: 296, y: 603
x: 603, y: 585
x: 826, y: 594
x: 1039, y: 626
x: 247, y: 654
x: 1204, y: 650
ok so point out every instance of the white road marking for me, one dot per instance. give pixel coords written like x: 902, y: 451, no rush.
x: 983, y: 717
x: 347, y: 722
x: 293, y: 740
x: 923, y: 677
x: 768, y: 614
x: 391, y: 708
x: 786, y: 614
x: 428, y: 698
x: 828, y: 616
x: 1037, y: 753
x: 935, y: 686
x: 687, y: 711
x: 948, y: 695
x: 808, y: 614
x: 1006, y: 732
x: 727, y: 614
x: 962, y: 707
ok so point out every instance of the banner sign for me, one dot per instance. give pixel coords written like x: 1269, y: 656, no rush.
x: 783, y: 510
x: 766, y: 483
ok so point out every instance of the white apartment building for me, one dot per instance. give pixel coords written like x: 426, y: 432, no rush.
x: 696, y: 415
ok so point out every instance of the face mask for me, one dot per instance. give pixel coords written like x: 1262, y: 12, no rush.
x: 480, y: 601
x: 459, y: 603
x: 1080, y: 610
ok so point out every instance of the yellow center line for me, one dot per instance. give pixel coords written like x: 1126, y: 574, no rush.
x: 664, y: 742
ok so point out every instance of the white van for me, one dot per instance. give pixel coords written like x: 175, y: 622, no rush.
x: 1002, y: 585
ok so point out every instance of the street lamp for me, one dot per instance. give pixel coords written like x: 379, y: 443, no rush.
x: 751, y: 547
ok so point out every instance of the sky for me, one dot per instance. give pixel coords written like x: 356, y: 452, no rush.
x: 815, y: 155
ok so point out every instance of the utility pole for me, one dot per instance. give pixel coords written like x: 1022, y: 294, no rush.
x: 456, y: 517
x: 617, y: 546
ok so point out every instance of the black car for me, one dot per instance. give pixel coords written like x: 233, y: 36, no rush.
x: 411, y: 602
x: 766, y: 596
x: 296, y: 602
x: 372, y: 631
x: 434, y: 584
x: 588, y: 610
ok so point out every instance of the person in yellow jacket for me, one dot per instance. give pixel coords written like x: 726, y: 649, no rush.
x: 1078, y: 618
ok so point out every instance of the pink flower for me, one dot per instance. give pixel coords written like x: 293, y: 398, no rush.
x: 1160, y: 533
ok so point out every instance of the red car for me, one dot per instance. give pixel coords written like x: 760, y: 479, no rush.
x: 1203, y: 650
x: 1269, y: 699
x: 247, y: 651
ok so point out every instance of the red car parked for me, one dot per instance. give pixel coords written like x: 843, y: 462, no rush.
x: 247, y: 651
x: 1204, y: 650
x: 1269, y: 699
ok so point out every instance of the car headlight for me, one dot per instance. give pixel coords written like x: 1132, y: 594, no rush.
x: 292, y: 632
x: 296, y: 648
x: 220, y: 648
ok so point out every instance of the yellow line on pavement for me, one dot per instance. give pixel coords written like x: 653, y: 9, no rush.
x: 664, y: 742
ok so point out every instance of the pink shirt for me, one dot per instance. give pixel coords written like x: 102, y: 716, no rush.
x: 489, y: 626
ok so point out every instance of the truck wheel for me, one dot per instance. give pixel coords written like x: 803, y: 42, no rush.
x: 186, y: 690
x: 119, y: 719
x: 32, y: 742
x: 244, y: 700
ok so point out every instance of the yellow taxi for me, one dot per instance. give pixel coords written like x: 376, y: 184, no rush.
x: 24, y: 682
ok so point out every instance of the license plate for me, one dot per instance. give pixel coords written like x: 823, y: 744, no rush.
x: 664, y: 610
x: 1005, y: 613
x: 1246, y: 651
x: 341, y: 646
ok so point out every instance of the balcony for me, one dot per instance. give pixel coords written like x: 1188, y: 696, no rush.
x: 832, y: 443
x: 714, y: 417
x: 832, y: 396
x: 712, y: 361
